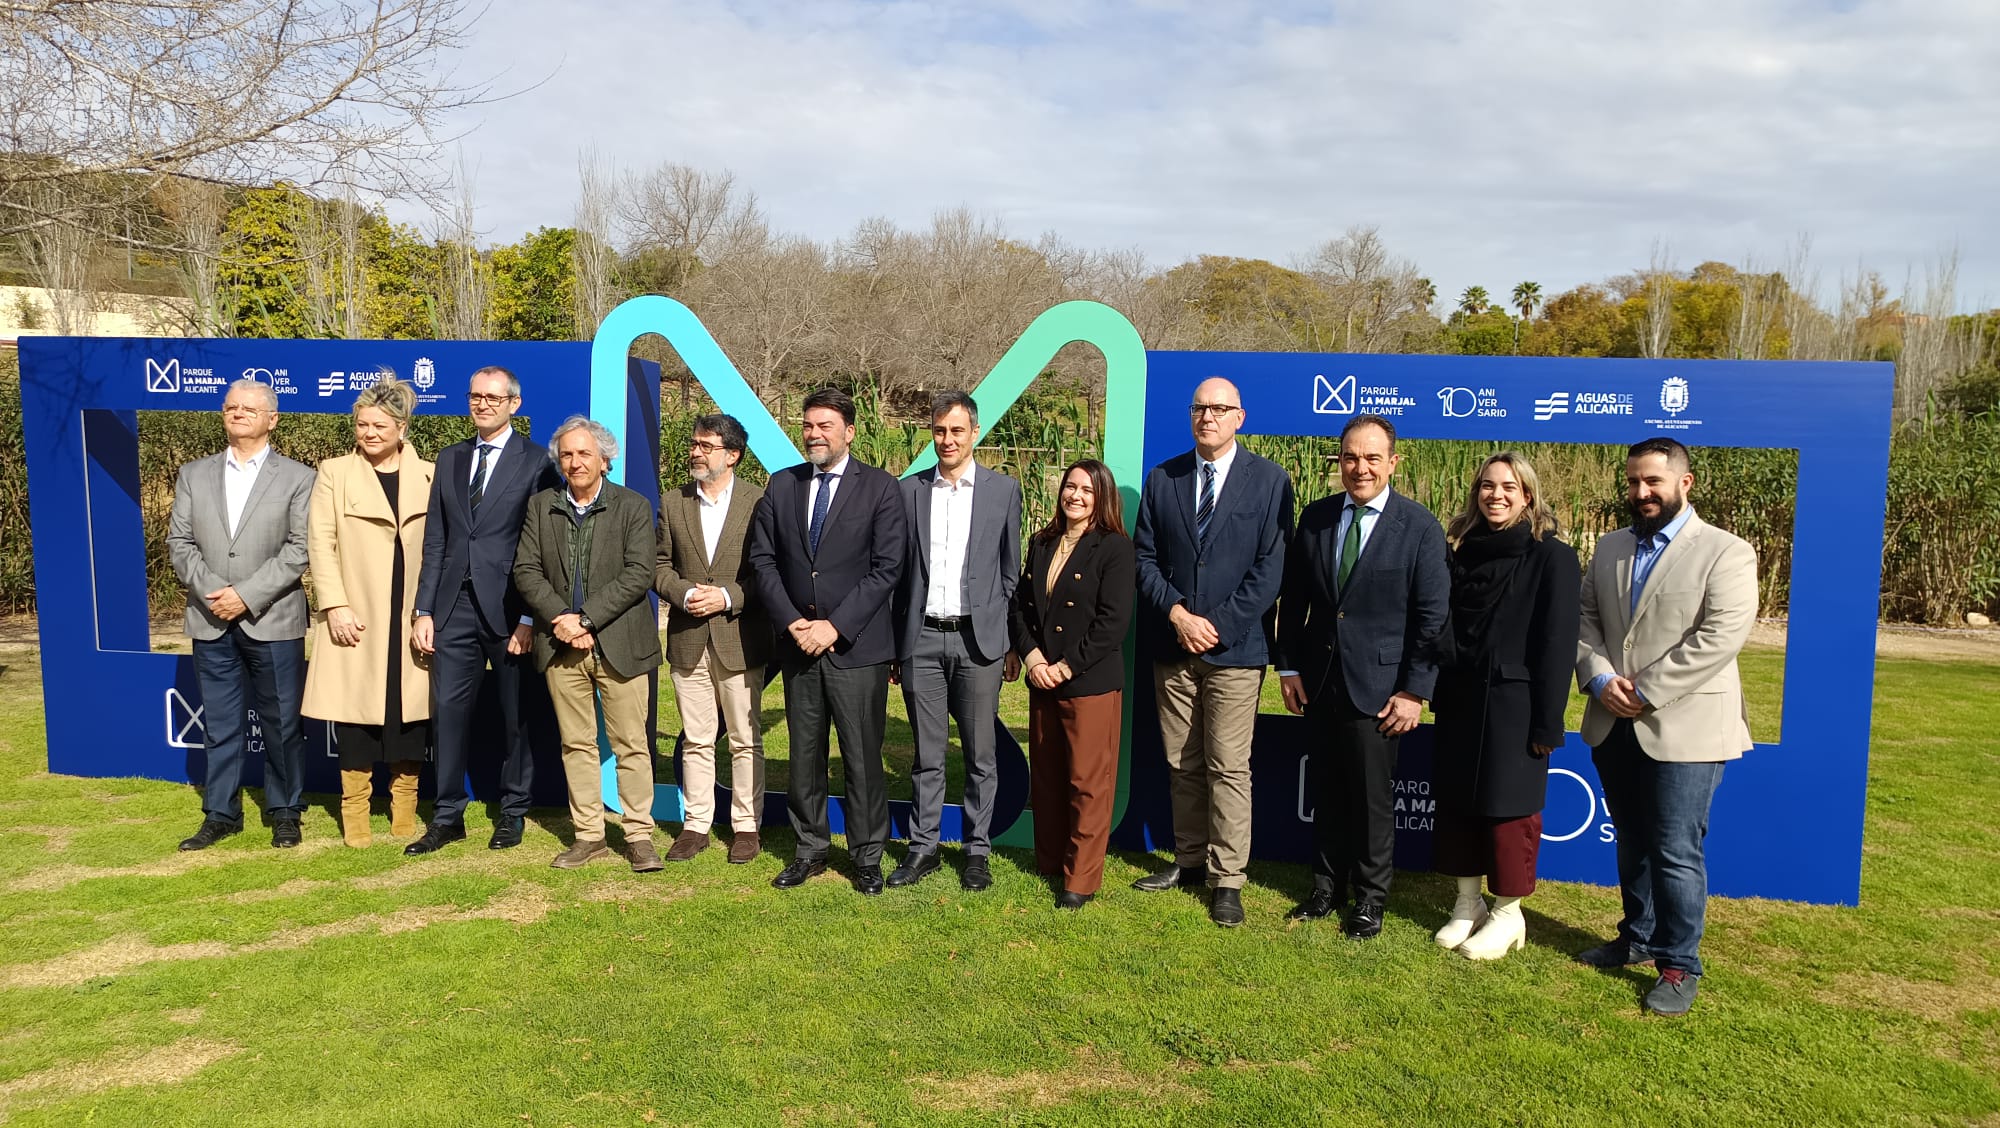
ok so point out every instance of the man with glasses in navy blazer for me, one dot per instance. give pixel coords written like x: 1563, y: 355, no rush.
x: 468, y: 615
x: 1212, y: 529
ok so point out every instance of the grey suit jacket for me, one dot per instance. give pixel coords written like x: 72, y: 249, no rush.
x: 263, y: 560
x: 992, y: 560
x: 1678, y: 646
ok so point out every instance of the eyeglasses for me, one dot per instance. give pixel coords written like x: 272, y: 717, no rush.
x: 480, y: 399
x: 1218, y: 410
x: 705, y: 448
x: 242, y: 409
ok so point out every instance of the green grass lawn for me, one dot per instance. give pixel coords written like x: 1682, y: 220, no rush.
x: 242, y: 985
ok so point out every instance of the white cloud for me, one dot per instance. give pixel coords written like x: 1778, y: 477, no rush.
x: 1490, y: 141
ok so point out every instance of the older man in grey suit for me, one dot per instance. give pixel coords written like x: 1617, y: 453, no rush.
x: 237, y: 540
x: 951, y: 613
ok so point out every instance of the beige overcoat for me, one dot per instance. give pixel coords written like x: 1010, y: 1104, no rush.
x: 350, y: 545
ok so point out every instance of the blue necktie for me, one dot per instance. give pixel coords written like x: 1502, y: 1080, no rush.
x: 820, y: 502
x: 1206, y: 509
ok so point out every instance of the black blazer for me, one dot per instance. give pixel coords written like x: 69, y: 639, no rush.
x: 1085, y: 618
x: 1234, y: 582
x: 456, y: 546
x: 1386, y: 627
x: 1489, y: 713
x: 852, y: 580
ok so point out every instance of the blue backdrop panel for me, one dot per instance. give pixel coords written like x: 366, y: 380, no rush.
x: 114, y: 707
x: 1788, y: 818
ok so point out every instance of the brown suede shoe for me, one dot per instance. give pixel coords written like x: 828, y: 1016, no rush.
x: 686, y: 845
x: 644, y: 858
x: 580, y: 853
x: 744, y: 846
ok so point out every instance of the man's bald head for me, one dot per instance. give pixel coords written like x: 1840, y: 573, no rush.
x: 1214, y: 416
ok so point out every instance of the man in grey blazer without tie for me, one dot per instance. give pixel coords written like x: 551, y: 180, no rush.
x: 951, y: 612
x: 237, y: 540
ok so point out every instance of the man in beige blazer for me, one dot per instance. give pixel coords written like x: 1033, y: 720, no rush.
x: 718, y: 638
x: 1667, y: 605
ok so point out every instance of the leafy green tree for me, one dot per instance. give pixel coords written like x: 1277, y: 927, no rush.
x: 404, y: 276
x: 1586, y: 321
x: 262, y: 274
x: 534, y: 288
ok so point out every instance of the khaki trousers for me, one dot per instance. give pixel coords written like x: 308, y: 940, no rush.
x: 1208, y: 714
x: 708, y: 693
x: 577, y: 680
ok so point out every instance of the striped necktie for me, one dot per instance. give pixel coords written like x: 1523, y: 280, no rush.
x: 1206, y: 509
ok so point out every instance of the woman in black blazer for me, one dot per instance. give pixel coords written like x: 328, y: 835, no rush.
x: 1071, y: 611
x: 1499, y: 700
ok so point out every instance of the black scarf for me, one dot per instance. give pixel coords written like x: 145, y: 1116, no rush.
x: 1483, y: 568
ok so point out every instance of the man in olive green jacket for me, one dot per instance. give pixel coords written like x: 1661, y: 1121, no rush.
x: 585, y: 569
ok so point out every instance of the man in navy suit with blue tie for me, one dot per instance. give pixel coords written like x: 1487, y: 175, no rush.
x: 468, y: 614
x: 1366, y: 593
x: 1211, y: 535
x: 827, y: 542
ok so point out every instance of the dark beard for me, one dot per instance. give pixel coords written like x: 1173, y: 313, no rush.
x: 1668, y: 511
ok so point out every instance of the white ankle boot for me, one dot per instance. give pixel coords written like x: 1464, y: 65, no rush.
x: 1505, y: 930
x: 1467, y: 914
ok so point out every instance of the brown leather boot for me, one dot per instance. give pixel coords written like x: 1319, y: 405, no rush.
x: 355, y: 787
x: 403, y: 799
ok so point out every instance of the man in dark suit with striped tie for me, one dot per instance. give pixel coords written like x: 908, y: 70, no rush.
x: 468, y: 614
x: 1212, y: 529
x: 826, y: 547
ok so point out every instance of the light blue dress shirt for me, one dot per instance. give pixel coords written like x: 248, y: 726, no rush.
x: 1644, y: 556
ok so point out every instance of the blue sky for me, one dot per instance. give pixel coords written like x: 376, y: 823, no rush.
x: 1490, y: 140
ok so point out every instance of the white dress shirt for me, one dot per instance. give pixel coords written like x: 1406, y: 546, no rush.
x: 238, y: 479
x: 499, y: 445
x: 832, y: 485
x: 1221, y: 465
x: 951, y: 530
x: 713, y: 512
x: 1376, y: 506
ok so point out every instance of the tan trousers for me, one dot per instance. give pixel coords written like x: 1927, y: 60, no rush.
x: 577, y: 680
x: 1207, y: 716
x: 708, y: 693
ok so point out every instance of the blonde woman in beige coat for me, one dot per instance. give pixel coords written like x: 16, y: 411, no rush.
x: 365, y: 539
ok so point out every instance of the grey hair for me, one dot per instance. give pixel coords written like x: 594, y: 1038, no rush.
x: 945, y: 401
x: 270, y: 393
x: 513, y: 381
x: 607, y: 444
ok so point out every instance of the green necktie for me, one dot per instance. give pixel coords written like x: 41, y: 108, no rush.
x: 1350, y: 545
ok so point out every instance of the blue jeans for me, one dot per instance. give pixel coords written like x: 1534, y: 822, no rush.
x: 238, y: 673
x: 1661, y: 812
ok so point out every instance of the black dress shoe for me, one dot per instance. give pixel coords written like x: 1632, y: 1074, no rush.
x: 1073, y: 901
x: 211, y: 832
x: 917, y: 866
x: 1319, y: 906
x: 507, y: 832
x: 434, y: 838
x: 1610, y: 955
x: 1173, y: 877
x: 868, y: 880
x: 1364, y: 921
x: 1225, y: 907
x: 798, y: 873
x: 285, y: 833
x: 977, y: 876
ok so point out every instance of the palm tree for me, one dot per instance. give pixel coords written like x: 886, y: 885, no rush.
x: 1473, y: 302
x: 1426, y: 294
x: 1527, y: 297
